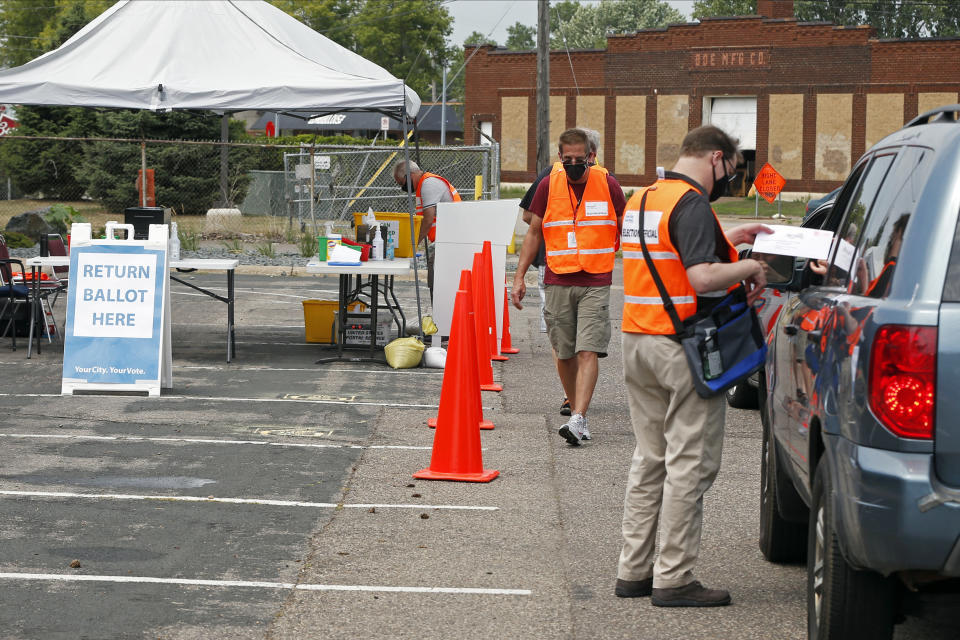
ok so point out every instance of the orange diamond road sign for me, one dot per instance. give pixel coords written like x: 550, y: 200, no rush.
x: 769, y: 183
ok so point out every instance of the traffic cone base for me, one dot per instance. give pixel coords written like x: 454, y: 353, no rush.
x: 510, y: 350
x: 486, y: 476
x: 491, y: 387
x: 484, y: 424
x: 499, y: 358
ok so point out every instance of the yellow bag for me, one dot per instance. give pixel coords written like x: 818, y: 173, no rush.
x: 429, y: 326
x: 404, y: 353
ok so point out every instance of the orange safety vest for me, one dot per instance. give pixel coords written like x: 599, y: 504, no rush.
x: 432, y: 235
x: 643, y: 310
x: 585, y: 239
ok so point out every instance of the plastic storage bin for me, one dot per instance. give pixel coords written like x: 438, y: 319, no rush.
x: 401, y: 248
x: 319, y: 316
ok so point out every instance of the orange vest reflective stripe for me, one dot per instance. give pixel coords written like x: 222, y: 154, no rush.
x: 581, y: 240
x: 643, y: 310
x: 453, y: 193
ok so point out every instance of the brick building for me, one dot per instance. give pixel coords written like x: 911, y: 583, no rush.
x: 809, y: 98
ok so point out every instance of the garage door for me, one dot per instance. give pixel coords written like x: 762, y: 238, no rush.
x: 736, y: 116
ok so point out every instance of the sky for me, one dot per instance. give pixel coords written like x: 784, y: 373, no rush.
x: 495, y: 16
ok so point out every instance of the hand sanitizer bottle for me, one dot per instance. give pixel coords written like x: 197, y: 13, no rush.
x: 174, y: 242
x: 377, y: 253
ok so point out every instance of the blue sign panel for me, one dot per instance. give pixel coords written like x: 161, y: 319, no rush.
x: 114, y: 327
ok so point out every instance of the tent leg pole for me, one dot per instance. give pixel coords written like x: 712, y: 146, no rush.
x: 143, y: 173
x: 410, y: 208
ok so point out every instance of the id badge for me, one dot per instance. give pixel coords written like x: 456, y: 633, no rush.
x: 596, y: 208
x: 631, y: 227
x: 571, y: 239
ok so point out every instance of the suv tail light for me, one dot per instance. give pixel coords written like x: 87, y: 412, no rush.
x: 903, y: 366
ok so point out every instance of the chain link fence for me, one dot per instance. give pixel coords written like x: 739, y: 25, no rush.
x: 259, y: 192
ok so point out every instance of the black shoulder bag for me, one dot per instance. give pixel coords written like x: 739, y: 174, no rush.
x: 723, y: 347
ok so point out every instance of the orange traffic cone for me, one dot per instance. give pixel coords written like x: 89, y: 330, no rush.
x: 483, y: 330
x: 506, y: 345
x: 456, y: 443
x: 465, y: 286
x: 489, y: 299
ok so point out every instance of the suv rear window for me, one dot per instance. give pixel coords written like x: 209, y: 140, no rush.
x: 882, y: 236
x: 879, y: 217
x: 951, y: 288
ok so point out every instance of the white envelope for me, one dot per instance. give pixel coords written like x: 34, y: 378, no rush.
x: 795, y: 241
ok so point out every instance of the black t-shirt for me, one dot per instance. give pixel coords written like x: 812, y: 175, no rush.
x: 696, y: 234
x: 541, y: 257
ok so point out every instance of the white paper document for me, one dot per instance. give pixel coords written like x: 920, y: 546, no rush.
x: 795, y: 241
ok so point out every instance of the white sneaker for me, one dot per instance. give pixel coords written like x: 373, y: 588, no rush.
x: 573, y: 430
x: 584, y: 430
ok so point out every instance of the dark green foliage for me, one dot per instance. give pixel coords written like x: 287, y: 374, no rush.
x: 187, y: 176
x: 16, y: 240
x: 48, y: 166
x: 726, y: 8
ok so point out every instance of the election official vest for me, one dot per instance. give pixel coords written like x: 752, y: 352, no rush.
x: 643, y: 310
x: 580, y: 236
x: 453, y: 193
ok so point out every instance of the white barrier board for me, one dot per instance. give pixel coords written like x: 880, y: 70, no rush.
x: 462, y: 227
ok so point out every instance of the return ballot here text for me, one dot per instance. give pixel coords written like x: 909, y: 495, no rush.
x: 115, y: 295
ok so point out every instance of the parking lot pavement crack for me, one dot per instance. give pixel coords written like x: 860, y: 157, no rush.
x: 318, y: 534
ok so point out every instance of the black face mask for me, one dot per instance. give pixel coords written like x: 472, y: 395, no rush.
x: 403, y: 187
x: 575, y: 171
x: 720, y: 186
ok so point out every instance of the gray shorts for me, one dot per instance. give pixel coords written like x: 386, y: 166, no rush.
x: 578, y: 319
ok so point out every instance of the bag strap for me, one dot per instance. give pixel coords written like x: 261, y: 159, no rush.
x: 667, y: 301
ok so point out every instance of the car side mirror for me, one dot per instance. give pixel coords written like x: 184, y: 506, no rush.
x: 780, y: 270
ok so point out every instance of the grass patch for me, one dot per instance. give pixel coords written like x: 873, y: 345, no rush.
x: 746, y: 207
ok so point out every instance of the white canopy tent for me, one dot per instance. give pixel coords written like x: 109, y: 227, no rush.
x: 220, y: 55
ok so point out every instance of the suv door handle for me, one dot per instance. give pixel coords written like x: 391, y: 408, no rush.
x: 791, y: 329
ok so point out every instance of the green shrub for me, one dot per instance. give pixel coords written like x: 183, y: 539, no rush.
x: 189, y: 240
x: 308, y: 245
x: 266, y: 249
x: 18, y: 240
x: 61, y: 216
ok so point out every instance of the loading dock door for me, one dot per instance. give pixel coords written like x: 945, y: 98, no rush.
x: 736, y: 116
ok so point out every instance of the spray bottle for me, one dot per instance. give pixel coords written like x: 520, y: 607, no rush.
x: 174, y: 243
x: 377, y: 253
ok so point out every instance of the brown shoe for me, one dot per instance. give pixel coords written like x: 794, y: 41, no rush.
x: 633, y: 588
x: 690, y: 595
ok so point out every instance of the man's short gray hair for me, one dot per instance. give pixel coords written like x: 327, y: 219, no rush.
x: 593, y: 137
x: 400, y: 169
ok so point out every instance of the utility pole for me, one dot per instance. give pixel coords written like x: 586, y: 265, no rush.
x: 543, y: 84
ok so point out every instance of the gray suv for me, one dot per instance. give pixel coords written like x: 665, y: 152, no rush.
x: 860, y: 401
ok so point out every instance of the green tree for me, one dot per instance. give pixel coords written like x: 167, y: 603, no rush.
x: 187, y: 176
x: 21, y: 22
x: 478, y: 38
x: 521, y: 37
x: 332, y: 18
x: 714, y: 8
x: 891, y: 18
x: 589, y: 25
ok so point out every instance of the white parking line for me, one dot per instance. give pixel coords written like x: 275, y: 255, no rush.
x: 305, y: 445
x: 59, y: 577
x: 403, y: 372
x: 258, y: 501
x: 396, y: 405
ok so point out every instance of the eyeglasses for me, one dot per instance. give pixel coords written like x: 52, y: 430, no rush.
x: 568, y: 160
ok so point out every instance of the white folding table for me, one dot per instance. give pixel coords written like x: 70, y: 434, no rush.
x: 208, y: 264
x: 367, y: 278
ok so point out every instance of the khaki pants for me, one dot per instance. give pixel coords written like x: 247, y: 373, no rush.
x: 679, y: 442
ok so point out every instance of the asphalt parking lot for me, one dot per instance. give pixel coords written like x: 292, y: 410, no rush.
x: 271, y: 497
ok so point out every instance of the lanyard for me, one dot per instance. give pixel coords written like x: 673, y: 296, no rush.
x: 579, y: 201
